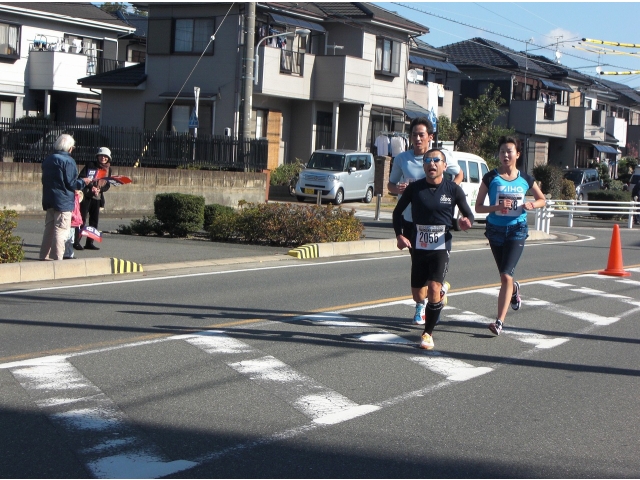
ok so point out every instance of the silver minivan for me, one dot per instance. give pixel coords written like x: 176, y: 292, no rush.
x: 339, y: 175
x: 585, y: 180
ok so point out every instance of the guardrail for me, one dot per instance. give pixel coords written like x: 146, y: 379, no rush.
x: 570, y: 208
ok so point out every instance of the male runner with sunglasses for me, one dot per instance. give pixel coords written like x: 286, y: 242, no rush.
x: 433, y: 200
x: 407, y: 168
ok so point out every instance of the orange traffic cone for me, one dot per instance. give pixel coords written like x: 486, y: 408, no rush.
x: 614, y: 266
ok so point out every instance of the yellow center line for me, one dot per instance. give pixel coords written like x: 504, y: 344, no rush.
x: 142, y: 338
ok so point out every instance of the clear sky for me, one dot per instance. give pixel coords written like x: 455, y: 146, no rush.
x: 564, y: 24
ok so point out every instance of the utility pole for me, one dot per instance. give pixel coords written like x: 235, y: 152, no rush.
x: 249, y: 40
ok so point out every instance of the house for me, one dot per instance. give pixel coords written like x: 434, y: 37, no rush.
x: 44, y: 49
x: 566, y: 118
x: 327, y: 74
x: 132, y: 46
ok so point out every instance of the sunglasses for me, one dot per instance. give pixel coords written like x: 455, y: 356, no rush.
x: 432, y: 159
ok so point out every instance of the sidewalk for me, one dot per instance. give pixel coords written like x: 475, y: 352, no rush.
x: 128, y: 253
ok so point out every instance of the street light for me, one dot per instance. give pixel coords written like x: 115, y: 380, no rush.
x: 303, y: 32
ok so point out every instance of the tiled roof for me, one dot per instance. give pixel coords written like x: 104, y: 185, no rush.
x: 86, y: 11
x: 480, y: 51
x: 625, y: 90
x: 120, y: 77
x: 354, y: 11
x: 139, y: 22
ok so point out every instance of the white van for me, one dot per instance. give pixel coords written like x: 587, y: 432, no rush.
x: 474, y: 168
x: 339, y: 175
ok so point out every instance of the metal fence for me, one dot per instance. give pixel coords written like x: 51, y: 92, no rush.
x: 571, y: 208
x: 32, y: 141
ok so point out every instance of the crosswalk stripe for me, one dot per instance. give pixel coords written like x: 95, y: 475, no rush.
x: 330, y: 319
x: 102, y: 435
x: 312, y: 399
x: 554, y: 284
x: 538, y: 340
x: 580, y: 315
x: 384, y: 338
x: 451, y: 368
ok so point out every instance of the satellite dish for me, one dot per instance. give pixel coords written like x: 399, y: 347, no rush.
x: 412, y: 75
x: 598, y: 69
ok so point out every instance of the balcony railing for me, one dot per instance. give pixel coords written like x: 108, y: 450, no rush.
x: 291, y: 62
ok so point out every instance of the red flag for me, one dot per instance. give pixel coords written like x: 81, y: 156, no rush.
x: 92, y: 233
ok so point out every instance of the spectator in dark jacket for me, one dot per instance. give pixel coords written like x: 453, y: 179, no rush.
x: 93, y: 200
x: 59, y: 183
x: 635, y: 195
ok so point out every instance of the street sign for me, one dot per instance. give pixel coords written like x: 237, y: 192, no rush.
x: 193, y: 120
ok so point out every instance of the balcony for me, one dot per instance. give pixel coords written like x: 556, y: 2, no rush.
x: 283, y: 73
x: 59, y: 70
x: 419, y: 93
x: 531, y: 117
x: 341, y: 78
x: 587, y: 124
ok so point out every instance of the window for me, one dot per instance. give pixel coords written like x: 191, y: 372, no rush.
x: 9, y: 41
x: 387, y: 56
x: 463, y: 166
x: 192, y: 35
x: 474, y: 172
x: 7, y: 110
x: 87, y: 113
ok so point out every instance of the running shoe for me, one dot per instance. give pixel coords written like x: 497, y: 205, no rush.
x: 426, y: 341
x: 515, y: 298
x: 418, y: 318
x: 496, y: 327
x: 443, y: 293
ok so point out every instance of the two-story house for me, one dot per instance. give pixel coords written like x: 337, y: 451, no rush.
x: 328, y: 88
x: 44, y: 49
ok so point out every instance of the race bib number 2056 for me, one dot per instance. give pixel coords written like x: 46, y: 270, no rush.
x: 430, y: 237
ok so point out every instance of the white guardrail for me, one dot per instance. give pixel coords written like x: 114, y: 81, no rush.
x: 570, y: 208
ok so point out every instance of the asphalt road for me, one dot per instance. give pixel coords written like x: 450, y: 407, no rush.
x: 309, y: 369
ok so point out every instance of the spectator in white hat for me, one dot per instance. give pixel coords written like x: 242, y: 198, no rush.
x: 93, y: 200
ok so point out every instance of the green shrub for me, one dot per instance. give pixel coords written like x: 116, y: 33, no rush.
x: 287, y: 224
x: 551, y: 180
x: 214, y: 210
x: 568, y: 191
x: 608, y: 196
x: 283, y: 174
x: 178, y: 213
x: 10, y: 245
x: 146, y: 226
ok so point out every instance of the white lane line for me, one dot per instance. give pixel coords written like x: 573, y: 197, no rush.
x: 552, y: 283
x: 309, y: 397
x: 453, y: 369
x: 99, y: 431
x: 330, y: 319
x: 537, y: 339
x: 386, y: 338
x: 580, y: 315
x: 599, y: 293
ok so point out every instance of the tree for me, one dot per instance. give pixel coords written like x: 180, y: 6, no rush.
x: 113, y: 7
x: 476, y: 130
x: 447, y: 131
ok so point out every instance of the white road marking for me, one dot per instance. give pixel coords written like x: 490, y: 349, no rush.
x: 312, y: 399
x: 384, y: 338
x: 552, y: 283
x: 451, y: 368
x: 101, y: 433
x: 580, y: 315
x: 330, y: 319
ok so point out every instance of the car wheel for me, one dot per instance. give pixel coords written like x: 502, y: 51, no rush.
x: 339, y: 197
x: 369, y: 196
x: 300, y: 198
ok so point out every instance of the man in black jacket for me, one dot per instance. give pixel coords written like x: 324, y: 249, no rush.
x: 433, y: 200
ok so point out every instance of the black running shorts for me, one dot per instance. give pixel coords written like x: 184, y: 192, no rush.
x: 428, y: 267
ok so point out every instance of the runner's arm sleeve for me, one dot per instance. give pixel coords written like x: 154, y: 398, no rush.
x: 463, y: 206
x: 403, y: 202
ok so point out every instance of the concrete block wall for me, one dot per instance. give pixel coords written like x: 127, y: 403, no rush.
x: 383, y: 168
x: 21, y: 188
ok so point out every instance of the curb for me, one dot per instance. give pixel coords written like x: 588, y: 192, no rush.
x: 92, y: 267
x: 56, y: 270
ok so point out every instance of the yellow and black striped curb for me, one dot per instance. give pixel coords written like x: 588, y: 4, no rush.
x: 124, y: 266
x: 305, y: 251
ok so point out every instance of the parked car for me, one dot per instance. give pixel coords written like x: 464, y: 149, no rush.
x: 585, y: 179
x: 474, y: 168
x: 339, y: 175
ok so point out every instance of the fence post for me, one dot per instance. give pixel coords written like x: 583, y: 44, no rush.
x: 631, y: 210
x: 572, y: 208
x: 539, y: 216
x: 377, y: 217
x: 319, y: 197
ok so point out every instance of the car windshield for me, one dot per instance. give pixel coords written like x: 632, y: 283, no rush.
x: 575, y: 177
x: 327, y: 161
